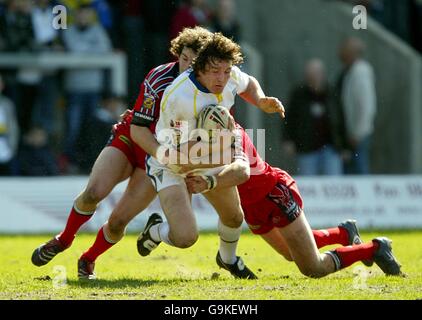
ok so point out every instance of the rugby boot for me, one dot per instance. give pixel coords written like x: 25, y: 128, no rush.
x: 237, y: 269
x: 46, y: 252
x: 145, y: 243
x: 86, y: 270
x: 385, y: 259
x: 354, y: 236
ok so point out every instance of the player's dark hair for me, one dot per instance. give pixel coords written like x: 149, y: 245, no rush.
x: 192, y: 38
x: 217, y: 48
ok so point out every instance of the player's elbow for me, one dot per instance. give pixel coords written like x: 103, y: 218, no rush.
x: 242, y: 172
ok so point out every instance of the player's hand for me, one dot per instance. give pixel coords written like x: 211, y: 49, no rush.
x: 124, y: 115
x: 196, y: 184
x: 271, y: 105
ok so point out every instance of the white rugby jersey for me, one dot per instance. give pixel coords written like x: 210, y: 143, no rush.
x: 184, y: 99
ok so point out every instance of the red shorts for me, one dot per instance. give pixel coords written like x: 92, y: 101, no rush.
x: 120, y: 139
x: 280, y: 207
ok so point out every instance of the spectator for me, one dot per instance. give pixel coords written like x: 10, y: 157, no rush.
x: 17, y: 33
x: 95, y: 135
x: 132, y: 40
x: 157, y: 27
x: 47, y: 39
x: 35, y: 155
x: 102, y: 8
x: 191, y: 13
x: 83, y: 86
x: 104, y: 13
x: 357, y: 94
x: 313, y: 124
x: 2, y: 24
x: 16, y: 27
x: 9, y: 132
x: 225, y: 21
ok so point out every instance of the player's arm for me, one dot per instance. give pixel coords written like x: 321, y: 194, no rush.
x: 207, y: 150
x: 142, y: 120
x: 204, y: 155
x: 217, y: 159
x: 145, y: 139
x: 203, y: 152
x: 142, y: 136
x: 256, y: 96
x: 234, y: 174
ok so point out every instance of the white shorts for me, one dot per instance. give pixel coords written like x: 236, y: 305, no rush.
x: 163, y: 177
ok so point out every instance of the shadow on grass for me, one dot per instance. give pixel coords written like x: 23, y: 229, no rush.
x: 122, y: 283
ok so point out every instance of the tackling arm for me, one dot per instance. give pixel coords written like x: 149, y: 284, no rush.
x: 145, y: 139
x: 234, y: 174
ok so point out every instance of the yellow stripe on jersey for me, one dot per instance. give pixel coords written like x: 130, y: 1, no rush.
x: 219, y: 97
x: 195, y: 111
x: 233, y: 75
x: 171, y: 91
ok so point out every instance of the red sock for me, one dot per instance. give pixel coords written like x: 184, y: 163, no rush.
x: 100, y: 246
x: 351, y: 254
x: 74, y: 222
x: 327, y: 237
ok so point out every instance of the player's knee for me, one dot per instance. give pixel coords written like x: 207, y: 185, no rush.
x: 117, y: 225
x: 234, y: 220
x: 238, y: 219
x: 94, y: 194
x: 185, y: 241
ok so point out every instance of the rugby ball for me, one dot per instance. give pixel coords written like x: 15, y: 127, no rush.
x: 213, y: 117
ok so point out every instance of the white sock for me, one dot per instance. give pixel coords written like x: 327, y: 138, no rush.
x: 229, y: 238
x: 160, y: 232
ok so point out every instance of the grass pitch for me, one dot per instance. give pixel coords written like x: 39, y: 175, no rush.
x: 191, y: 274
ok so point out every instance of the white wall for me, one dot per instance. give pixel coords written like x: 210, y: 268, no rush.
x: 42, y: 204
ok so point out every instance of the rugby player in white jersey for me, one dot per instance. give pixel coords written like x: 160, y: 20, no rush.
x: 213, y: 79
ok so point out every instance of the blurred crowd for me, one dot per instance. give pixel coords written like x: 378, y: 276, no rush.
x: 402, y: 17
x: 329, y: 127
x: 44, y: 114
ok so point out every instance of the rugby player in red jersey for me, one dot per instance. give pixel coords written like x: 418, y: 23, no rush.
x: 123, y: 158
x: 273, y: 209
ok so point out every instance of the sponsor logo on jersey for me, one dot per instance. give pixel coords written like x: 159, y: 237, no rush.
x: 282, y: 196
x: 149, y: 101
x: 143, y: 116
x: 176, y: 138
x: 176, y: 124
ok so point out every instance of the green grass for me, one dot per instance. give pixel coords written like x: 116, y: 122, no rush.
x: 193, y: 274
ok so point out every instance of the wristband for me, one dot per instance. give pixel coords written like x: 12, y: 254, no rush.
x: 211, y: 182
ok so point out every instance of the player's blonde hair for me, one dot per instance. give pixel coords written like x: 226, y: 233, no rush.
x: 192, y: 38
x: 218, y: 47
